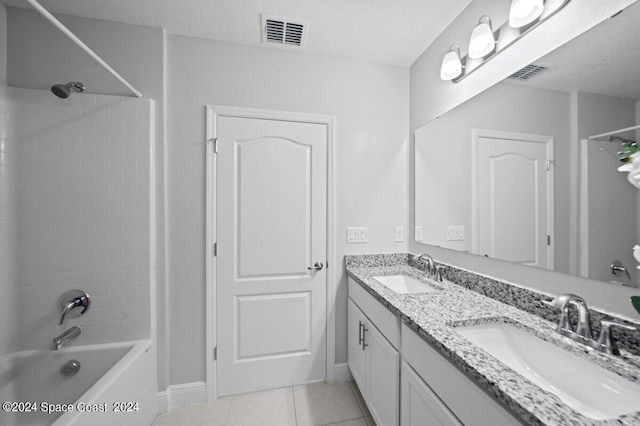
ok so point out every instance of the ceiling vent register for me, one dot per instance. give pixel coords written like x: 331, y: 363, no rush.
x: 527, y: 72
x: 284, y: 32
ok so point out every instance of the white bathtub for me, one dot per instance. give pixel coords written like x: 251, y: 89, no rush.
x: 112, y: 377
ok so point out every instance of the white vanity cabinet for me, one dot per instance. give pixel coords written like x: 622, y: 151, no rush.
x: 435, y: 392
x: 374, y: 361
x: 420, y: 405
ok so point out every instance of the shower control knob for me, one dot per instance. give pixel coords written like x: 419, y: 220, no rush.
x: 316, y: 267
x: 73, y: 303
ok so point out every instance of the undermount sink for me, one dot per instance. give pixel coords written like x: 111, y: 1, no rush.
x: 404, y: 284
x: 582, y: 385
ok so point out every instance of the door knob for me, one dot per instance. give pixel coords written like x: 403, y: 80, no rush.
x: 316, y: 267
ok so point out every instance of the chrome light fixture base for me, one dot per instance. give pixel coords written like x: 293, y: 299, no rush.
x: 485, y: 47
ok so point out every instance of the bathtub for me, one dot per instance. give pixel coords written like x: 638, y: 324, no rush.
x: 116, y: 384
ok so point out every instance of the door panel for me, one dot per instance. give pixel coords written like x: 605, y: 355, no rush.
x: 274, y: 180
x: 514, y: 213
x: 265, y: 327
x: 514, y: 177
x: 271, y: 226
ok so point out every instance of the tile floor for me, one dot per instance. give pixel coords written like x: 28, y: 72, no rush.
x: 316, y: 404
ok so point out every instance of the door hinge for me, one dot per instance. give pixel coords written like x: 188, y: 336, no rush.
x: 215, y: 249
x: 214, y: 141
x: 215, y: 353
x: 548, y: 240
x: 549, y: 163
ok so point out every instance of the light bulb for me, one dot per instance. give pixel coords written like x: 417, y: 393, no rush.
x: 451, y: 66
x: 524, y: 12
x: 482, y: 40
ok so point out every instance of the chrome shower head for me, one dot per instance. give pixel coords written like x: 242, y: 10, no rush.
x: 64, y: 90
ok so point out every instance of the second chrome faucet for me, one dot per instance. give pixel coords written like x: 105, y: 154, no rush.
x: 582, y: 331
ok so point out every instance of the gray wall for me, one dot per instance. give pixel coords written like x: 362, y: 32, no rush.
x: 39, y: 55
x: 370, y: 103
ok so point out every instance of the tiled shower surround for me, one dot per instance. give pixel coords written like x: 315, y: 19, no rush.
x: 75, y: 190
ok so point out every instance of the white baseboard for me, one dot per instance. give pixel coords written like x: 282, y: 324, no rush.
x: 342, y: 373
x: 184, y: 394
x: 164, y: 405
x: 196, y: 392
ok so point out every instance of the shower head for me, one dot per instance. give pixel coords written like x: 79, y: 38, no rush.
x: 64, y: 90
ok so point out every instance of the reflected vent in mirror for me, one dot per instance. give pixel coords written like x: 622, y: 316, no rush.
x: 284, y: 32
x: 527, y: 72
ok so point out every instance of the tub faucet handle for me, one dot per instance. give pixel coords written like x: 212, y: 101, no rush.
x: 71, y: 300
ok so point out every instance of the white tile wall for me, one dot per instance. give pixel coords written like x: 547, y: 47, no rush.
x: 82, y: 180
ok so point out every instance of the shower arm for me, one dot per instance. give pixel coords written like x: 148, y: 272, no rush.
x: 44, y: 12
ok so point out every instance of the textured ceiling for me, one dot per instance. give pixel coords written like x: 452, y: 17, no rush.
x: 387, y: 31
x: 604, y: 60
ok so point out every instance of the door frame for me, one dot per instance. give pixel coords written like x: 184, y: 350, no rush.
x: 212, y: 113
x: 476, y: 134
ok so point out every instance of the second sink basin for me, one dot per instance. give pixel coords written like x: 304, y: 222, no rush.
x: 404, y: 284
x: 584, y: 386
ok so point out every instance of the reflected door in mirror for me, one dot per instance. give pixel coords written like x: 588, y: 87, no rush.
x: 512, y: 198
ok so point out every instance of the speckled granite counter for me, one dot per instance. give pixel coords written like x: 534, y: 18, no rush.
x: 435, y: 315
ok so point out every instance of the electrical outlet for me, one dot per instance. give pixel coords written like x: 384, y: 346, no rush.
x: 356, y: 235
x: 399, y: 234
x: 418, y: 234
x: 455, y: 233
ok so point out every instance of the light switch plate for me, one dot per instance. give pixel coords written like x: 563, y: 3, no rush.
x: 357, y: 235
x: 455, y: 233
x: 418, y: 234
x: 399, y: 236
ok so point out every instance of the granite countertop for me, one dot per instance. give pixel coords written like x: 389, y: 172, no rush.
x: 435, y: 315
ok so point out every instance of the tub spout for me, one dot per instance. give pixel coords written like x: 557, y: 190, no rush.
x: 71, y: 333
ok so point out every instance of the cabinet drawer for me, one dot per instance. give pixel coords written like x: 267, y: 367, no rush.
x: 381, y: 317
x: 471, y: 404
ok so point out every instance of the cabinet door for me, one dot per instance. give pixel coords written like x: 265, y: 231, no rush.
x: 357, y: 354
x: 383, y: 368
x: 420, y: 405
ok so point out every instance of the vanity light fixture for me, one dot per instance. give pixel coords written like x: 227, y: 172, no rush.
x: 524, y: 16
x: 524, y: 12
x: 482, y: 40
x: 451, y: 65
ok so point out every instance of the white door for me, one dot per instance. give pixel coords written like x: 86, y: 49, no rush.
x: 271, y: 227
x: 513, y: 197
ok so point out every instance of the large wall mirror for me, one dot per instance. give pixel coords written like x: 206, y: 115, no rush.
x: 510, y: 174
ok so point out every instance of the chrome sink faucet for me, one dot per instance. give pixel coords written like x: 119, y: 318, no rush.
x: 583, y: 332
x: 583, y: 328
x: 71, y: 333
x: 431, y: 269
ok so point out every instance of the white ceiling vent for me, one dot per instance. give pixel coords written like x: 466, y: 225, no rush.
x: 527, y: 72
x: 284, y: 32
